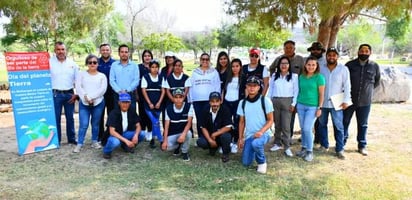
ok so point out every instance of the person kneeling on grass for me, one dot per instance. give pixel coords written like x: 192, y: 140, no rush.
x: 123, y: 128
x: 178, y: 121
x: 256, y: 118
x: 216, y: 127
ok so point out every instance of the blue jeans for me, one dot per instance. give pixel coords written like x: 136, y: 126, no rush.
x: 113, y: 142
x: 154, y: 118
x: 307, y: 117
x: 337, y: 119
x: 362, y: 115
x: 254, y: 148
x: 61, y: 100
x: 198, y: 106
x: 89, y: 114
x: 232, y: 105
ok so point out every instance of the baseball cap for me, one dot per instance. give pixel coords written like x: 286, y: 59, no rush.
x: 125, y: 97
x: 316, y: 45
x: 214, y: 95
x: 178, y: 91
x: 332, y: 49
x: 253, y: 79
x: 254, y: 51
x: 169, y: 54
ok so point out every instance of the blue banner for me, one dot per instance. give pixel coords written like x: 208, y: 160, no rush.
x: 32, y: 100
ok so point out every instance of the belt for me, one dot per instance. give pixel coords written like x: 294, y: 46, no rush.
x: 63, y: 91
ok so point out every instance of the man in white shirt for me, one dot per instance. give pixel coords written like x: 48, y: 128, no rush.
x: 63, y: 75
x: 337, y: 81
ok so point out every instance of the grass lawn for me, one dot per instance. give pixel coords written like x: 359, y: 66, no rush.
x: 152, y: 174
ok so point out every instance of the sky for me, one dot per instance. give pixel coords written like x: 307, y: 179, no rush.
x: 190, y: 15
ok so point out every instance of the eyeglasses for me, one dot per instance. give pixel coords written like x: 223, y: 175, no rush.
x: 92, y: 62
x: 284, y: 63
x: 253, y: 55
x: 204, y: 59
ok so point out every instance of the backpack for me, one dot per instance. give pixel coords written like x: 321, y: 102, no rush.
x: 262, y: 101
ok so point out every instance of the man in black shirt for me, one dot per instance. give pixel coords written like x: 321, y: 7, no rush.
x: 216, y: 126
x: 364, y: 77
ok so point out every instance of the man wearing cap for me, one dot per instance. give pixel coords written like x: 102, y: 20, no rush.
x: 63, y: 75
x: 255, y: 120
x: 337, y: 82
x: 296, y: 61
x: 178, y: 121
x: 364, y: 77
x: 216, y: 127
x: 255, y: 68
x: 123, y: 126
x: 124, y: 76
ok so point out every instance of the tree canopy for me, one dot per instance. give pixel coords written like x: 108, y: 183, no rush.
x: 325, y: 17
x: 37, y: 23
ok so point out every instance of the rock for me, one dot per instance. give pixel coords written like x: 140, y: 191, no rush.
x: 394, y: 86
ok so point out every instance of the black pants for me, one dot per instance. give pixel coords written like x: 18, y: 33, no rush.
x: 146, y: 123
x: 108, y: 98
x: 222, y: 141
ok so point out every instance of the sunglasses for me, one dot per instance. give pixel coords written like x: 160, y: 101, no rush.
x: 204, y: 59
x: 284, y: 63
x: 92, y: 62
x: 253, y: 55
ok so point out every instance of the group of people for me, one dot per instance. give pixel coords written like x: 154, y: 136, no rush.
x: 235, y: 105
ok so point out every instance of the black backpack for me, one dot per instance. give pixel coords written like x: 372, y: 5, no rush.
x: 262, y: 101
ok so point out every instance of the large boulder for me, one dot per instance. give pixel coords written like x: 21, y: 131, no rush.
x: 394, y: 86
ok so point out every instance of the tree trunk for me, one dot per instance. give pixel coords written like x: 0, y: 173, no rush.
x: 132, y: 41
x: 328, y: 30
x: 324, y: 31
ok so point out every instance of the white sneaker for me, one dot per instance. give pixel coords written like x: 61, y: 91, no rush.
x: 148, y: 136
x: 262, y: 168
x: 288, y: 152
x: 220, y: 150
x: 276, y: 148
x: 233, y: 148
x: 96, y: 145
x: 77, y: 148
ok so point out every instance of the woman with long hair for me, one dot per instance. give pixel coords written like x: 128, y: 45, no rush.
x: 283, y: 91
x: 233, y: 91
x: 223, y: 66
x: 310, y: 98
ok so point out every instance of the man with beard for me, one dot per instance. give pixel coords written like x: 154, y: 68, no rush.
x: 316, y: 50
x: 364, y: 77
x: 337, y: 81
x: 63, y: 75
x: 105, y: 62
x: 216, y: 127
x: 124, y: 76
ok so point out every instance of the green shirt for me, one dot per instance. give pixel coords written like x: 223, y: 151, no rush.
x: 309, y: 89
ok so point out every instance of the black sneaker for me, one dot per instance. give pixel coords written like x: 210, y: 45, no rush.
x: 107, y: 155
x: 177, y: 151
x: 225, y: 158
x: 186, y: 156
x: 152, y: 144
x: 301, y: 153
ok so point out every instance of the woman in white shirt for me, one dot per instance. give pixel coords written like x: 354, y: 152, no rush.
x: 233, y: 92
x: 283, y: 90
x: 90, y: 86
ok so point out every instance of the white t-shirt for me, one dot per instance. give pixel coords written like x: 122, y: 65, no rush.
x: 232, y: 90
